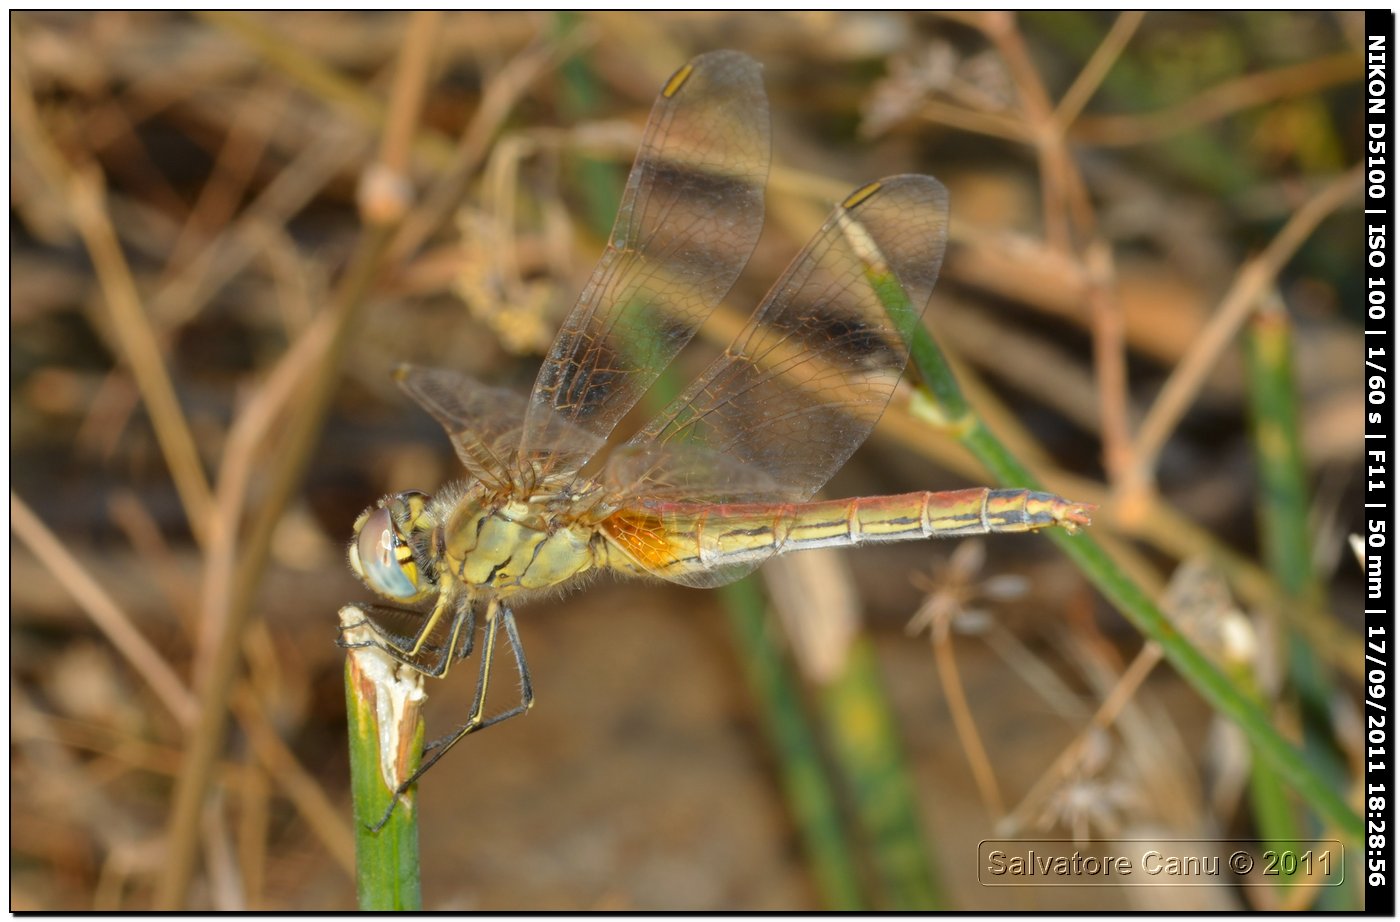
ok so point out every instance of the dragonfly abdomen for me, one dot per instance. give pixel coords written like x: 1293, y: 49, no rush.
x: 903, y: 517
x: 672, y: 538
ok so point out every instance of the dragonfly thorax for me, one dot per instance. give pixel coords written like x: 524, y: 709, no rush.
x: 513, y: 545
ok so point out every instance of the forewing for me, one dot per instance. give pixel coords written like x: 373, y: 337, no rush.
x: 690, y: 216
x: 482, y: 422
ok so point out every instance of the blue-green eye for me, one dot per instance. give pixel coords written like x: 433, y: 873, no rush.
x: 384, y: 562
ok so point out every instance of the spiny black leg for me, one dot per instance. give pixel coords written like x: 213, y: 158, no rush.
x: 432, y: 659
x: 488, y: 646
x: 406, y: 648
x: 497, y: 613
x: 464, y: 649
x: 527, y: 692
x: 468, y: 609
x: 439, y: 750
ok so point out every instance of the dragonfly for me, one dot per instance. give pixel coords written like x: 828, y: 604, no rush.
x: 724, y: 477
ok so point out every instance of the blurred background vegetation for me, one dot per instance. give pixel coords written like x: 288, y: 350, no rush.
x: 226, y: 229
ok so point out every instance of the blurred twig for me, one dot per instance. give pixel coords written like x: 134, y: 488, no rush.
x: 944, y: 602
x: 105, y: 613
x: 130, y: 323
x: 337, y: 91
x: 1220, y: 101
x: 249, y: 132
x: 228, y: 608
x: 323, y: 817
x: 246, y: 437
x: 1097, y: 68
x: 1250, y: 282
x: 409, y: 90
x: 1103, y: 718
x: 192, y: 285
x: 991, y: 124
x: 500, y: 96
x: 1070, y: 221
x: 254, y: 794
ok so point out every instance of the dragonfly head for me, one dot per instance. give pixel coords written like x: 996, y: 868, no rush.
x: 382, y: 553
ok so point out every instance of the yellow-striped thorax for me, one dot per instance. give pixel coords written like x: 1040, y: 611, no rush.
x: 409, y: 546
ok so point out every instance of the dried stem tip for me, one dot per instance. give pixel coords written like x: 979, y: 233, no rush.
x: 390, y: 697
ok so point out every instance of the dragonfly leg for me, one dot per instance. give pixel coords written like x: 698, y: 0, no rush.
x: 498, y: 614
x: 392, y: 641
x: 468, y: 628
x: 347, y: 645
x: 414, y: 650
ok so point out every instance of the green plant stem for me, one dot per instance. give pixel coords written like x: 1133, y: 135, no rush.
x: 1283, y: 493
x: 387, y: 869
x: 806, y: 785
x: 867, y: 750
x: 1286, y: 541
x: 1135, y: 605
x: 1282, y: 504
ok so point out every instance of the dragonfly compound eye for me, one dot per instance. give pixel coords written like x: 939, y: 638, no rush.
x: 385, y: 560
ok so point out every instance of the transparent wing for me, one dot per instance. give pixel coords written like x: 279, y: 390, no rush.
x: 636, y: 473
x: 690, y: 216
x: 806, y: 379
x: 482, y: 422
